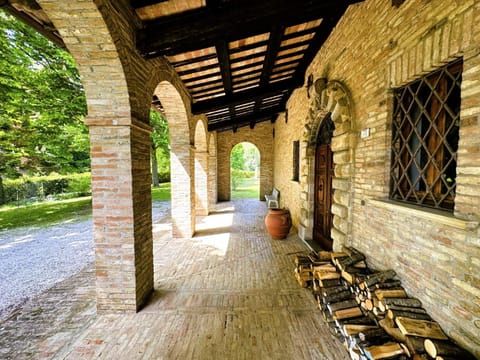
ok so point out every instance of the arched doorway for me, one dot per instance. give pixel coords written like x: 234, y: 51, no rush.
x: 324, y: 173
x: 244, y: 171
x: 331, y: 104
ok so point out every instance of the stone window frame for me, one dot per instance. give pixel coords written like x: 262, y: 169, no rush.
x: 296, y: 161
x: 422, y: 156
x: 330, y: 97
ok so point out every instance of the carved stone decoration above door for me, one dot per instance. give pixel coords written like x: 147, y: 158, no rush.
x: 330, y: 98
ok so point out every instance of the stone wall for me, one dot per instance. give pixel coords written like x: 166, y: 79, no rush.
x: 262, y: 137
x: 374, y: 48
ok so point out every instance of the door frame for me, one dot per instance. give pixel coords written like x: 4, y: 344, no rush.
x: 334, y: 98
x: 324, y: 139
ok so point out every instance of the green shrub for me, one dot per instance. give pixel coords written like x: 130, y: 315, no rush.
x: 164, y: 176
x: 80, y: 184
x: 27, y: 189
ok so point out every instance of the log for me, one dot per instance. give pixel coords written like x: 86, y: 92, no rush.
x: 436, y: 348
x: 324, y: 255
x: 422, y: 328
x: 409, y: 302
x: 330, y: 282
x: 324, y: 275
x: 418, y: 310
x: 391, y: 330
x: 379, y: 277
x: 354, y: 329
x: 333, y: 290
x: 341, y: 296
x: 361, y: 320
x: 392, y: 314
x: 390, y: 293
x: 415, y: 344
x: 341, y: 305
x: 385, y: 351
x: 347, y: 313
x: 343, y: 263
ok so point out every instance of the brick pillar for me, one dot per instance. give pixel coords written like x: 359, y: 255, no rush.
x: 201, y: 189
x: 122, y: 220
x: 182, y: 189
x: 212, y: 174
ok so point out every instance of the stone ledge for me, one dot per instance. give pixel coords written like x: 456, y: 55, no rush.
x: 425, y: 213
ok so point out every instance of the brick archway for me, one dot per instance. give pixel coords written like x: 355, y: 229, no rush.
x: 333, y: 98
x: 119, y: 144
x: 201, y: 168
x: 181, y: 160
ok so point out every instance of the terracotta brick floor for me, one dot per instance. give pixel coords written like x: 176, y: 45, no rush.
x: 227, y: 293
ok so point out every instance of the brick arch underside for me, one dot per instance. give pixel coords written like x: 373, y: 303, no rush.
x: 182, y: 157
x: 201, y: 169
x: 333, y: 98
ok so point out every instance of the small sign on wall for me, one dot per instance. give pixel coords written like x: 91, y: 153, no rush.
x: 365, y: 133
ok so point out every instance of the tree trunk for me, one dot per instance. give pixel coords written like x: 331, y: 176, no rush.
x: 153, y: 156
x: 2, y: 195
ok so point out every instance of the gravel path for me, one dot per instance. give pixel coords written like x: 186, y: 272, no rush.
x: 33, y: 259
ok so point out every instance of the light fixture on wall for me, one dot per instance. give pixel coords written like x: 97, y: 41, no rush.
x: 397, y: 3
x: 309, y: 84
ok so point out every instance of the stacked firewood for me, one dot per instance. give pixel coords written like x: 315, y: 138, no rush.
x: 371, y: 311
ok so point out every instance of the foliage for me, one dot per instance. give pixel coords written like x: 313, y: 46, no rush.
x: 43, y: 105
x: 35, y: 188
x: 244, y: 162
x: 44, y: 214
x: 160, y: 148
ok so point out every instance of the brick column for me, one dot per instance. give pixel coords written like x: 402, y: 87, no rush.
x: 201, y: 190
x: 122, y: 220
x: 212, y: 174
x: 182, y: 189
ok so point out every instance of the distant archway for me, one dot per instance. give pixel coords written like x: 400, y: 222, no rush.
x: 245, y: 171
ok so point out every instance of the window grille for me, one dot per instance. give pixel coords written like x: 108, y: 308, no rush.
x: 425, y: 133
x: 296, y: 160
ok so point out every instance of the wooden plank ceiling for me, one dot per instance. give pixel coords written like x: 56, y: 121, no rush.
x: 239, y: 59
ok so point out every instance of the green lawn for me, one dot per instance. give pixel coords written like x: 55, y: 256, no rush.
x: 48, y: 213
x: 161, y: 193
x: 247, y: 189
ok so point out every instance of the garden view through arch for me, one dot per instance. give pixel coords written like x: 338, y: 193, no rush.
x: 245, y: 171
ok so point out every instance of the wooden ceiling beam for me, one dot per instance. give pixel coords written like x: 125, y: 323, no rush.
x: 245, y: 120
x: 136, y: 4
x: 199, y: 28
x: 242, y: 97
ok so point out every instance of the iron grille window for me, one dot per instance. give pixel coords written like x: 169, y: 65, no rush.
x: 425, y: 139
x: 296, y: 160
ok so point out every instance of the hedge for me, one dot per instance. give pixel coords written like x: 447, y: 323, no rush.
x: 38, y: 188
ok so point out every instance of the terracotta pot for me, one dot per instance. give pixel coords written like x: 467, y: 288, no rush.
x: 278, y: 223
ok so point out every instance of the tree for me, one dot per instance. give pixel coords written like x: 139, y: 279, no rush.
x: 237, y: 160
x: 43, y: 105
x: 160, y: 142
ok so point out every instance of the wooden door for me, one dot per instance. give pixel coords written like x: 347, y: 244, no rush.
x: 323, y: 196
